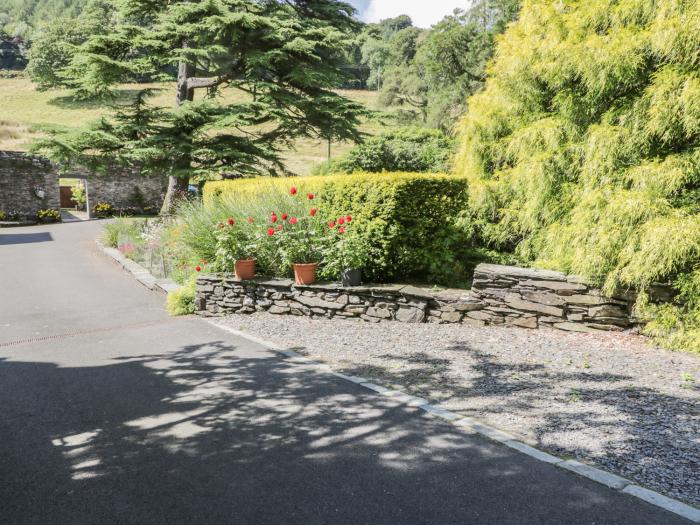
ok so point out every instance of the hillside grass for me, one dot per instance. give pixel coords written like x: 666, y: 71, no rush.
x: 27, y: 113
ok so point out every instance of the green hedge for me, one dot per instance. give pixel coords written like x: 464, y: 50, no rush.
x: 409, y: 220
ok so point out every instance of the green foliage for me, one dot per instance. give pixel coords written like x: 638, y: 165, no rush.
x: 428, y: 74
x: 345, y: 251
x: 53, y: 56
x: 181, y: 301
x: 404, y: 149
x: 78, y: 194
x: 234, y: 242
x: 112, y: 231
x: 582, y: 151
x: 20, y: 16
x: 408, y: 224
x: 286, y: 57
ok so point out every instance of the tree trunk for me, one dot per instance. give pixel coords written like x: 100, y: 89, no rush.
x: 179, y: 185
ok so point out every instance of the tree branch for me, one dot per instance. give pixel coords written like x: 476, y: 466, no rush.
x: 206, y: 82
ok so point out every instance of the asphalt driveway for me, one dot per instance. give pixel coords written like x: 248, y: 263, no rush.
x: 112, y: 412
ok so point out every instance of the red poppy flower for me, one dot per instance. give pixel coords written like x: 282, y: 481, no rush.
x: 341, y: 220
x: 231, y: 222
x: 274, y: 218
x: 284, y: 216
x: 348, y: 218
x: 313, y: 212
x: 198, y: 268
x: 341, y: 229
x: 293, y: 190
x: 293, y: 221
x: 270, y: 231
x: 250, y: 220
x: 310, y: 196
x: 279, y: 227
x: 331, y: 224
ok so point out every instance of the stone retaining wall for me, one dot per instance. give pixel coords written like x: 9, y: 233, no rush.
x: 501, y: 295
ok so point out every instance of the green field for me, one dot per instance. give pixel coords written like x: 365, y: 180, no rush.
x: 25, y: 113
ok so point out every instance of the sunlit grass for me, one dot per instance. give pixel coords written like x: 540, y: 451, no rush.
x: 25, y: 113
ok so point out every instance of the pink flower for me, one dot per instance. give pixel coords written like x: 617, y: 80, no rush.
x: 279, y: 227
x: 331, y: 224
x: 293, y: 190
x: 270, y: 231
x: 341, y: 229
x: 341, y: 220
x: 293, y: 221
x: 274, y: 218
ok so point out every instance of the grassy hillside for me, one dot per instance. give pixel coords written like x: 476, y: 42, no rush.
x: 26, y: 112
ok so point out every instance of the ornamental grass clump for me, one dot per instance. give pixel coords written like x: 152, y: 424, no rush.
x: 583, y: 150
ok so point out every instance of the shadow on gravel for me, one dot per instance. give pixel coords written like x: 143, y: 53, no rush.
x: 652, y: 436
x: 212, y: 434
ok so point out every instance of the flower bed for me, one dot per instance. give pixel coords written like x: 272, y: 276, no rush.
x: 404, y: 226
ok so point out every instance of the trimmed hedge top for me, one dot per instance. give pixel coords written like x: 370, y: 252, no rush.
x: 409, y: 220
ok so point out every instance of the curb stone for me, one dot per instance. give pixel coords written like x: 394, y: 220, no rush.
x: 141, y: 274
x: 608, y: 479
x: 664, y: 502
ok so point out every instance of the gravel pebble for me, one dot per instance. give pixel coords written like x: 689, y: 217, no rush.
x: 607, y: 399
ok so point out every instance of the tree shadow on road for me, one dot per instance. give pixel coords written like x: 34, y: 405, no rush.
x: 642, y: 433
x: 215, y: 434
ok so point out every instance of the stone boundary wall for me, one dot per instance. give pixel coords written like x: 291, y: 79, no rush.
x: 501, y: 295
x: 20, y: 173
x: 20, y: 176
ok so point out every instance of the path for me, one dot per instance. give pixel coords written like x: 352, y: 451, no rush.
x: 111, y: 412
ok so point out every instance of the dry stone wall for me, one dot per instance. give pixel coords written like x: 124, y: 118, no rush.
x: 22, y: 174
x: 501, y: 295
x: 27, y: 184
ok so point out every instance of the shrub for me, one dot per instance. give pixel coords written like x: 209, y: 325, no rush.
x: 79, y: 194
x: 119, y: 228
x: 181, y: 301
x: 407, y: 223
x: 103, y: 209
x: 48, y: 215
x: 408, y: 149
x: 582, y: 150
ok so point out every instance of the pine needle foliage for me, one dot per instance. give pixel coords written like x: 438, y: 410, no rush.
x: 583, y: 150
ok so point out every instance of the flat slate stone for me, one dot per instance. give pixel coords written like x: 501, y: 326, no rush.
x: 518, y: 272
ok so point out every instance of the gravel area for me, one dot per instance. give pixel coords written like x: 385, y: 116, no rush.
x: 607, y: 399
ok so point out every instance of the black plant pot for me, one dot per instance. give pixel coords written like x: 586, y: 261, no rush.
x: 351, y: 277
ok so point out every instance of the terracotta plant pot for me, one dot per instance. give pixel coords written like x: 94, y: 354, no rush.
x: 305, y: 273
x: 351, y: 277
x: 244, y: 269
